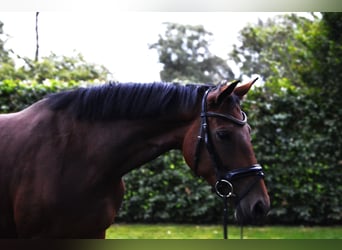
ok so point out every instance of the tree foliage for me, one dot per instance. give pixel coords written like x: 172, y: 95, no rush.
x: 184, y: 52
x: 275, y: 47
x: 7, y: 65
x: 60, y: 68
x: 4, y: 54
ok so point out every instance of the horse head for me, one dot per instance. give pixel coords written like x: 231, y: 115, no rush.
x: 218, y: 147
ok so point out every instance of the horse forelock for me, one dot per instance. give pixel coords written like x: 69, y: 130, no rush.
x: 114, y: 101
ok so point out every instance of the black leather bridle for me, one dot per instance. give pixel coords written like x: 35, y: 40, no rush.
x: 223, y: 187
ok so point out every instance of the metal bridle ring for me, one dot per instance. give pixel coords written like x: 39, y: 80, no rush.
x: 224, y: 188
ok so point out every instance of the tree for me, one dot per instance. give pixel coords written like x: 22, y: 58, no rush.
x: 56, y: 67
x: 7, y: 65
x: 184, y: 52
x: 63, y: 68
x: 4, y: 55
x: 273, y: 48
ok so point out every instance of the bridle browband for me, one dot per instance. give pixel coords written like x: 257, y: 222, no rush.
x: 223, y: 187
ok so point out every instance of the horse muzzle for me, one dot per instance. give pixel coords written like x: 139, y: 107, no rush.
x: 250, y: 209
x: 253, y: 213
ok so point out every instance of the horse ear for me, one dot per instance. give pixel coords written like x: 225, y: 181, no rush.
x: 225, y: 91
x: 242, y: 90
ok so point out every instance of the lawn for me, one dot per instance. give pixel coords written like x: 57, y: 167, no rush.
x: 171, y: 231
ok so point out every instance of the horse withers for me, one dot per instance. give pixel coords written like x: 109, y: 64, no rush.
x: 63, y: 158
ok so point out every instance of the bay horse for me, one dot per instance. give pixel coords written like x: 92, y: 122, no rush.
x: 62, y: 159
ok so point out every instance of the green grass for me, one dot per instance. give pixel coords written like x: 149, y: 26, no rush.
x: 171, y: 231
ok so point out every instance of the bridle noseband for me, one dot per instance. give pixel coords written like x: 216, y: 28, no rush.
x: 223, y: 187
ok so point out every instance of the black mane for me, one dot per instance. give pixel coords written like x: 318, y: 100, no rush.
x: 127, y: 100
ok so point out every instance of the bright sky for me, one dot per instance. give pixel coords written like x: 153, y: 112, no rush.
x: 118, y: 40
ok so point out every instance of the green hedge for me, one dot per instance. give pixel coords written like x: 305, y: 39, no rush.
x: 299, y: 143
x: 165, y: 190
x: 16, y: 95
x: 293, y: 139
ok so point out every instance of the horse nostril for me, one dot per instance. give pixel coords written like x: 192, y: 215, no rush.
x: 259, y: 210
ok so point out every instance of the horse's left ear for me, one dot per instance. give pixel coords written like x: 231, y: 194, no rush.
x: 242, y: 90
x: 223, y: 91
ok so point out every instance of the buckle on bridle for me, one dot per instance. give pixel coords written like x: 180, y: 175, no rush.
x: 224, y: 189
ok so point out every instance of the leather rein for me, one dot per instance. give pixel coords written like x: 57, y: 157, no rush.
x: 223, y: 187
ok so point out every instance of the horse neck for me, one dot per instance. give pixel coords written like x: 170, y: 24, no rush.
x: 133, y: 143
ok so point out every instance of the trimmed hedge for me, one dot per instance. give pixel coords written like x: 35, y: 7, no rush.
x: 16, y: 95
x: 165, y: 190
x: 299, y: 143
x: 293, y: 139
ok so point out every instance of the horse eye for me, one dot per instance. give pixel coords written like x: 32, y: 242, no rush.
x: 223, y: 134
